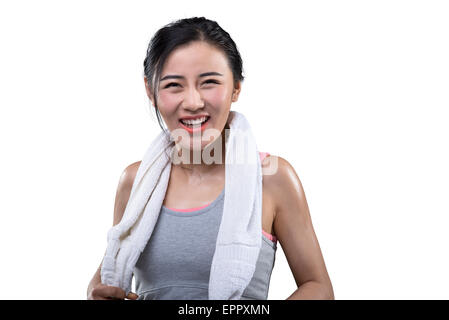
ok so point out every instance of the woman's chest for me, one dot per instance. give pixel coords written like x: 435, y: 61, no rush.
x: 181, y: 195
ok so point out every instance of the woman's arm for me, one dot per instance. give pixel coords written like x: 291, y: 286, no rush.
x: 121, y: 199
x: 293, y: 227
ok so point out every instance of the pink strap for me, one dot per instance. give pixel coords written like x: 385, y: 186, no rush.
x: 269, y: 236
x: 263, y: 155
x: 190, y: 209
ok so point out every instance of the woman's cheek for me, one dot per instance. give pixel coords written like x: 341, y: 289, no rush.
x: 216, y: 96
x: 168, y: 101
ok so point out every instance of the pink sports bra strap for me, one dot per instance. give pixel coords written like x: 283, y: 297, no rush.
x: 263, y: 155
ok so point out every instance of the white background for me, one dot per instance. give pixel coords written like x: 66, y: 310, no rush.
x: 354, y: 94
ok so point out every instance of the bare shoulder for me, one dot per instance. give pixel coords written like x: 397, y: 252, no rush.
x: 124, y: 190
x: 129, y: 174
x: 281, y: 181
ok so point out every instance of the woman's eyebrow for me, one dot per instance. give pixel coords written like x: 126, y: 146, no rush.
x: 172, y: 76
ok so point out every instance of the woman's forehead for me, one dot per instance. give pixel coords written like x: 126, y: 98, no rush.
x: 194, y: 59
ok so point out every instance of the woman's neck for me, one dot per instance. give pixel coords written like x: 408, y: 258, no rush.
x: 204, y: 161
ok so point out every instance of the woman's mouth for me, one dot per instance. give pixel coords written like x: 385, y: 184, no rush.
x: 194, y: 125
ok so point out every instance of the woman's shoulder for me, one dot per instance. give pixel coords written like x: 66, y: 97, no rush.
x: 280, y: 179
x: 124, y: 190
x: 129, y: 174
x: 274, y: 167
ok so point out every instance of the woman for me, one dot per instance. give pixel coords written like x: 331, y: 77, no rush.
x: 193, y: 73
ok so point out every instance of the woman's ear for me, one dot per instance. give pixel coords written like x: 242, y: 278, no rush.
x: 148, y: 89
x: 236, y: 92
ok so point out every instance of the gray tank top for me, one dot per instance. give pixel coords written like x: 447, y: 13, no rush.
x: 175, y: 264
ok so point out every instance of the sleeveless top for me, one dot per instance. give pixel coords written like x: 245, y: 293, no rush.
x: 175, y: 264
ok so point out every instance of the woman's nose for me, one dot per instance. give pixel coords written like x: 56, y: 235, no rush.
x: 193, y: 100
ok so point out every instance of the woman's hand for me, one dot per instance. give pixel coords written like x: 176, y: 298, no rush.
x: 103, y: 292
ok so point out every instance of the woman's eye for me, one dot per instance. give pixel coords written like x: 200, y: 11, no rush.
x: 174, y: 84
x: 171, y: 84
x: 210, y: 81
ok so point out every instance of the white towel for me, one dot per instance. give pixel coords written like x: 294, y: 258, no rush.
x: 238, y: 241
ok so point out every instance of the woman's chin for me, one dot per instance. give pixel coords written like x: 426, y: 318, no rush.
x: 193, y: 146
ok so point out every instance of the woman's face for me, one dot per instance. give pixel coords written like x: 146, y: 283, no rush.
x: 196, y: 81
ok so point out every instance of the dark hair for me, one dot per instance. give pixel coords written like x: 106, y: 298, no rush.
x: 182, y: 32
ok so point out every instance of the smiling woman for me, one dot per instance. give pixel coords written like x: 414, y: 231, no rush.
x: 193, y: 76
x: 217, y: 231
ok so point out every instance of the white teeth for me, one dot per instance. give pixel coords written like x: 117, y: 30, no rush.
x: 194, y: 121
